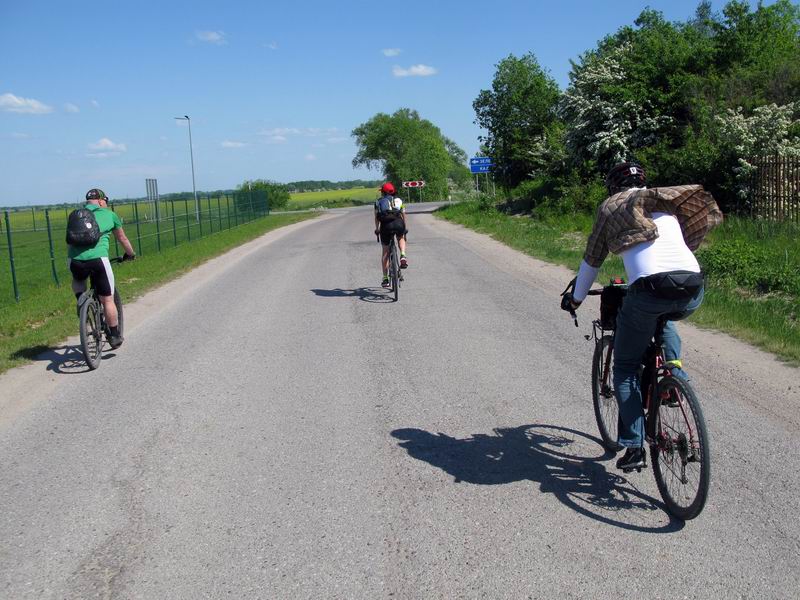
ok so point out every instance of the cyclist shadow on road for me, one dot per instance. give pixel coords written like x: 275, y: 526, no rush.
x: 64, y: 360
x: 364, y: 293
x: 555, y: 457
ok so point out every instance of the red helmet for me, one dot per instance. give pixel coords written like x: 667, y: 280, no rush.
x: 387, y: 188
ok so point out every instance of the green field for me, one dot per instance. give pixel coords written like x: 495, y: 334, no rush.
x: 149, y: 231
x: 47, y: 314
x: 332, y: 199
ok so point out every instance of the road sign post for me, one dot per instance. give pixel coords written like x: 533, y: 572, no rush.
x: 481, y: 164
x: 414, y: 184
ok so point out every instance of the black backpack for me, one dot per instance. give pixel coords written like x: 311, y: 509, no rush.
x: 82, y: 228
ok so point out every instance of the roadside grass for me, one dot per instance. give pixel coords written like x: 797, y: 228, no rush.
x: 47, y: 316
x: 753, y: 268
x: 332, y: 199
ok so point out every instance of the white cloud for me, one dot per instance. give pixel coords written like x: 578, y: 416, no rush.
x: 303, y: 131
x: 276, y: 139
x: 273, y: 45
x: 231, y: 144
x: 95, y: 103
x: 337, y: 140
x: 104, y: 148
x: 29, y: 106
x: 211, y: 37
x: 20, y: 136
x: 317, y: 145
x: 71, y: 108
x: 391, y: 51
x: 414, y: 71
x: 310, y: 157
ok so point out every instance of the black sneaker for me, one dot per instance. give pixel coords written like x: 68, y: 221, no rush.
x: 634, y: 458
x: 115, y: 341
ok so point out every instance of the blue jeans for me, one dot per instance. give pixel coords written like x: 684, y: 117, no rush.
x: 636, y: 326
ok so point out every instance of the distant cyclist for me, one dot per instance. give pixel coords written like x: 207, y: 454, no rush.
x: 390, y: 220
x: 656, y: 232
x: 92, y: 260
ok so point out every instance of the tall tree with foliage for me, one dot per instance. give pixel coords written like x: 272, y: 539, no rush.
x: 517, y: 113
x: 407, y: 147
x: 277, y: 193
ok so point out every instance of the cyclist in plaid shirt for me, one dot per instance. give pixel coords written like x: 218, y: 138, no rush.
x: 656, y: 232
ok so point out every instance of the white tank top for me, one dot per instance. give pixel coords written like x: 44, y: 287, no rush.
x: 668, y: 252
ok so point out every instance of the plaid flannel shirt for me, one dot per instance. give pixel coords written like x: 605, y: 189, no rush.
x: 625, y: 219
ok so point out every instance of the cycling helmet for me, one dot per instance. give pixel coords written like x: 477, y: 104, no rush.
x: 625, y: 175
x: 387, y: 188
x: 96, y: 194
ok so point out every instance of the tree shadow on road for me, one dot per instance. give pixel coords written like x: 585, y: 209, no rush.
x: 366, y: 294
x: 565, y: 462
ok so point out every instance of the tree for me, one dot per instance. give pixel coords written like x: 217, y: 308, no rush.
x: 516, y: 114
x: 407, y: 147
x: 277, y: 193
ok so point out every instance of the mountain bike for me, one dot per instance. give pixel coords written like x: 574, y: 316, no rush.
x: 675, y: 429
x: 93, y: 322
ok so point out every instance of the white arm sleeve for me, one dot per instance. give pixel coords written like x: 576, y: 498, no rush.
x: 586, y: 277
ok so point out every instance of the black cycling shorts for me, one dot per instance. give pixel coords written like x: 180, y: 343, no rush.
x: 395, y: 228
x: 99, y: 269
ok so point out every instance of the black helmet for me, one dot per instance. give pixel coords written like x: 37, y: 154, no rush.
x: 625, y: 175
x: 96, y: 194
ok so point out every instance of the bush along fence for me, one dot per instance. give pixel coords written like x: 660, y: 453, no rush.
x: 775, y: 188
x: 33, y: 251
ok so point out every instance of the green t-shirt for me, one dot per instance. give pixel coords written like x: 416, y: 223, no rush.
x: 107, y: 220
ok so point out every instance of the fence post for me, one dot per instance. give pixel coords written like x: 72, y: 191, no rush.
x: 235, y: 211
x: 174, y: 224
x: 228, y: 209
x: 50, y: 241
x: 158, y: 226
x: 200, y: 217
x: 210, y: 214
x: 188, y: 225
x: 138, y: 231
x: 33, y: 217
x: 116, y: 244
x: 11, y: 258
x: 219, y: 212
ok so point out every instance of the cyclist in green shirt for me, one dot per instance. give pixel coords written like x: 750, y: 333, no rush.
x: 92, y: 261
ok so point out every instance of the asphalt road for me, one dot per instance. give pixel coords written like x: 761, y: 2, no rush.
x: 275, y: 427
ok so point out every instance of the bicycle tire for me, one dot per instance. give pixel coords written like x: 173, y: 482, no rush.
x: 395, y: 266
x: 675, y: 448
x: 91, y: 333
x: 120, y: 317
x: 606, y: 409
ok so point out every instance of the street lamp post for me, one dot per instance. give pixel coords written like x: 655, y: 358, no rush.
x: 191, y: 157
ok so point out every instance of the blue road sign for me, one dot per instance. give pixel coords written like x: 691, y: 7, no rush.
x: 481, y: 164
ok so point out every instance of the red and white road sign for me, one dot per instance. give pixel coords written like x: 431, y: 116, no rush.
x: 413, y: 184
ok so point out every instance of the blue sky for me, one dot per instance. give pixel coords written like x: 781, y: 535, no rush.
x: 88, y: 90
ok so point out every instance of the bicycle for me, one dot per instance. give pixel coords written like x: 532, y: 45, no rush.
x: 93, y: 323
x: 675, y: 429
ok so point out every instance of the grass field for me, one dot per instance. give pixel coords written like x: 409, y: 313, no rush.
x: 175, y: 223
x: 332, y: 199
x: 752, y: 268
x: 48, y: 314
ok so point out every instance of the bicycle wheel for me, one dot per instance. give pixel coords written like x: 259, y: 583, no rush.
x: 91, y: 333
x: 395, y: 272
x: 680, y: 453
x: 606, y: 409
x: 118, y: 303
